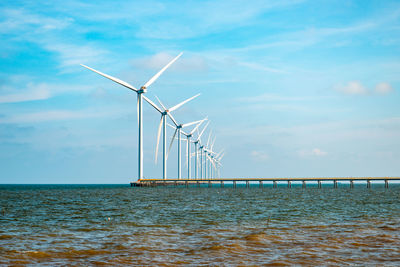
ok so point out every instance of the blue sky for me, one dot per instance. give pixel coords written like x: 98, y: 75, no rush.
x: 292, y: 88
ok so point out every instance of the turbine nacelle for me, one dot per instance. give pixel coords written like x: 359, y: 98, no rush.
x: 142, y: 90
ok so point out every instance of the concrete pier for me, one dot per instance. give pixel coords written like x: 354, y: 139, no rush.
x: 223, y: 181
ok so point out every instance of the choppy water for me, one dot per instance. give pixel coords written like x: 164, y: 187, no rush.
x: 59, y: 225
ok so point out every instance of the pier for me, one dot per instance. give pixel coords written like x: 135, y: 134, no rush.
x: 220, y: 182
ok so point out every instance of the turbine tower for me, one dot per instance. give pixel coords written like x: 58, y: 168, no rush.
x: 140, y: 93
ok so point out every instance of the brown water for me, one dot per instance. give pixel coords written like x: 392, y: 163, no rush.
x: 69, y: 225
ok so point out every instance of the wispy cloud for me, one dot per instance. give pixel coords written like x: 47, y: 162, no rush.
x: 352, y: 88
x: 19, y: 89
x: 49, y: 33
x: 274, y: 97
x: 259, y: 156
x: 260, y: 67
x: 356, y: 88
x: 315, y: 152
x: 184, y: 64
x: 383, y: 88
x: 71, y: 55
x: 189, y: 20
x: 32, y: 93
x: 58, y: 115
x: 20, y: 20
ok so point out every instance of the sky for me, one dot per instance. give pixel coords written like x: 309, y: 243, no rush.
x: 291, y: 88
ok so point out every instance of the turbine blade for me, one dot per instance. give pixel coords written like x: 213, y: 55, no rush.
x: 212, y: 145
x: 155, y: 77
x: 152, y: 104
x: 172, y: 141
x: 208, y: 140
x: 190, y: 123
x: 172, y: 119
x: 182, y: 103
x: 205, y: 127
x: 158, y: 138
x: 212, y: 162
x: 197, y: 126
x: 127, y: 85
x: 219, y: 153
x: 184, y: 133
x: 171, y: 126
x: 159, y: 101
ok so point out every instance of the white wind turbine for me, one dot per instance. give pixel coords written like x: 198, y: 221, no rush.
x: 218, y: 159
x: 188, y: 136
x: 196, y: 151
x: 209, y: 155
x: 203, y: 150
x: 140, y: 93
x: 178, y: 130
x: 164, y: 112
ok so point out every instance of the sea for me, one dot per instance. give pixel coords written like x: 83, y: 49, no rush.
x: 89, y: 225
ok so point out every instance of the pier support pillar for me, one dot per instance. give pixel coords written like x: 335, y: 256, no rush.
x: 289, y: 184
x: 351, y: 184
x: 198, y: 184
x: 386, y: 184
x: 304, y: 184
x: 209, y: 184
x: 274, y: 184
x: 261, y: 184
x: 234, y: 184
x: 368, y: 183
x: 334, y: 184
x: 319, y: 184
x: 222, y: 184
x: 247, y: 184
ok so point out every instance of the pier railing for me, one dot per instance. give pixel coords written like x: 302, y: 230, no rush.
x: 247, y: 181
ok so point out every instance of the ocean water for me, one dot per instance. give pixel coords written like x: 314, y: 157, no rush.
x: 119, y: 225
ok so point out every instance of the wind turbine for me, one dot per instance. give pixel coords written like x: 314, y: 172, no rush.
x: 209, y: 155
x: 189, y: 135
x: 178, y: 130
x: 204, y: 150
x: 164, y: 112
x: 196, y: 143
x: 140, y: 92
x: 218, y: 159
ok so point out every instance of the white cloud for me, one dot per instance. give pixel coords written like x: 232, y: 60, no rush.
x: 193, y: 19
x: 383, y: 88
x: 259, y: 155
x: 356, y: 88
x: 316, y: 152
x: 34, y: 92
x: 49, y: 33
x: 186, y: 63
x: 352, y: 88
x: 73, y: 55
x: 58, y: 115
x: 260, y: 67
x: 20, y: 20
